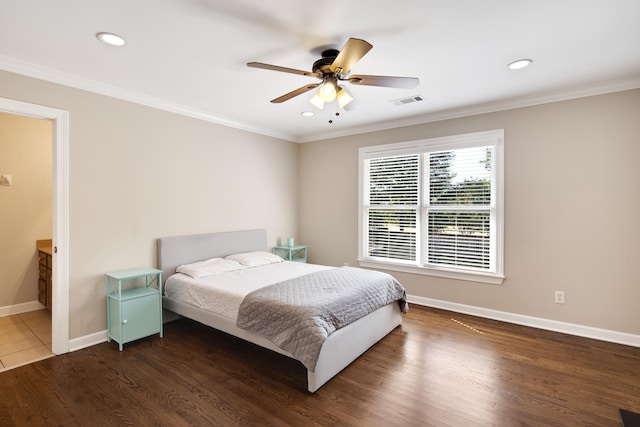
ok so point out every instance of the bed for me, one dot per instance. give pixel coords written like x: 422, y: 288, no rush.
x: 339, y: 349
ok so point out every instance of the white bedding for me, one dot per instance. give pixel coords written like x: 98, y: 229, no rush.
x: 223, y: 293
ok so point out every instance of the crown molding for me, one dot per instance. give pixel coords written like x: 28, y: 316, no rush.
x: 43, y: 73
x: 489, y: 107
x: 54, y: 76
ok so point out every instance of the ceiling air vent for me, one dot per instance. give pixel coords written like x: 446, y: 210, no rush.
x: 408, y: 100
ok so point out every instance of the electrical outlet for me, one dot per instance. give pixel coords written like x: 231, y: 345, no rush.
x: 559, y: 297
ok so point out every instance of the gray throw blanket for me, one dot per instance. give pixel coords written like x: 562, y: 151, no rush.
x: 299, y: 314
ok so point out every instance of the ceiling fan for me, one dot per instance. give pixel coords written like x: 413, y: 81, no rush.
x: 334, y: 67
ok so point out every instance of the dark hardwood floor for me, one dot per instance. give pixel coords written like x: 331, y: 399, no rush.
x: 438, y: 369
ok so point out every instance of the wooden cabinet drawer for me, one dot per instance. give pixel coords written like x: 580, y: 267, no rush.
x: 42, y: 292
x: 45, y: 264
x: 45, y: 274
x: 44, y: 259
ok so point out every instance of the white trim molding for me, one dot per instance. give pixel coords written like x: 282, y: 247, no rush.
x: 60, y: 226
x: 102, y: 336
x: 534, y: 322
x: 492, y: 279
x: 88, y: 340
x: 54, y: 76
x: 24, y: 307
x: 419, y: 209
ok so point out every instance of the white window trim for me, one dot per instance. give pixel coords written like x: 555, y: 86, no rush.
x: 493, y: 137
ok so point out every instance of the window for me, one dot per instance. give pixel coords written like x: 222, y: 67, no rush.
x: 434, y: 206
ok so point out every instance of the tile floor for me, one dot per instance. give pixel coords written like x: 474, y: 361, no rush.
x: 24, y: 338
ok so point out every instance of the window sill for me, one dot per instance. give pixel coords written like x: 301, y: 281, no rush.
x: 494, y: 279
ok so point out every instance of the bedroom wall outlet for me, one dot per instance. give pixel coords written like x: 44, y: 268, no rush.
x: 559, y: 297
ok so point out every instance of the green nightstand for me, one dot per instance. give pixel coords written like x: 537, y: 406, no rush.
x: 292, y: 253
x: 137, y: 312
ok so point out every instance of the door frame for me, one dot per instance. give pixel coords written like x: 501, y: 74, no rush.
x: 60, y: 210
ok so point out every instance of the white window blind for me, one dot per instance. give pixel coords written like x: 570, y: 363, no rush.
x: 393, y: 206
x: 459, y: 208
x: 435, y: 205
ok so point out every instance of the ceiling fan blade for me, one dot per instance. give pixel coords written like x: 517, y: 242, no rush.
x: 295, y: 93
x: 352, y: 52
x: 386, y: 81
x: 283, y: 69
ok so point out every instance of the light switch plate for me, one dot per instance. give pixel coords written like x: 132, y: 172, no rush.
x: 6, y: 180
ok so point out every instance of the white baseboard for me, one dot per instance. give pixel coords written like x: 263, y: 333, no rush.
x: 100, y: 337
x: 518, y: 319
x: 20, y: 308
x: 87, y: 340
x: 74, y: 344
x: 534, y: 322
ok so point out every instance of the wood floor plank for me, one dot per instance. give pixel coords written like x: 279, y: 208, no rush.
x: 438, y: 369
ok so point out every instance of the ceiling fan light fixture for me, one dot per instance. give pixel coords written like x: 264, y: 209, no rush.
x: 328, y: 90
x: 343, y: 97
x: 335, y: 66
x: 317, y: 102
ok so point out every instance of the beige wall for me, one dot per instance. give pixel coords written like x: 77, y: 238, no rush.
x: 25, y: 207
x: 572, y: 202
x: 572, y: 198
x: 137, y: 174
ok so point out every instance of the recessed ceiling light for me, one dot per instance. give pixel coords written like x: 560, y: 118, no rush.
x: 307, y: 113
x: 520, y: 63
x: 110, y: 38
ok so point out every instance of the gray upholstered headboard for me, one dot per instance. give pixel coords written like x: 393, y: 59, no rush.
x: 177, y: 250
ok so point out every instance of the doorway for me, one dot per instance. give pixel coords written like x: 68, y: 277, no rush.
x: 60, y: 214
x: 26, y: 199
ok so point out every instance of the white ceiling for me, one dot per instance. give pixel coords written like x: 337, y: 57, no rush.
x: 190, y: 56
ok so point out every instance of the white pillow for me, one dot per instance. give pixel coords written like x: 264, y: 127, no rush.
x: 255, y: 259
x: 209, y: 267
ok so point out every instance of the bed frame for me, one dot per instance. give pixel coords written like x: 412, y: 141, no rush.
x: 341, y: 347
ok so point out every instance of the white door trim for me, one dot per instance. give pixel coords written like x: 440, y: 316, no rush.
x: 60, y: 229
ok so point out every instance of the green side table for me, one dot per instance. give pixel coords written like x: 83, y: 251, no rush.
x: 292, y: 253
x: 137, y: 312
